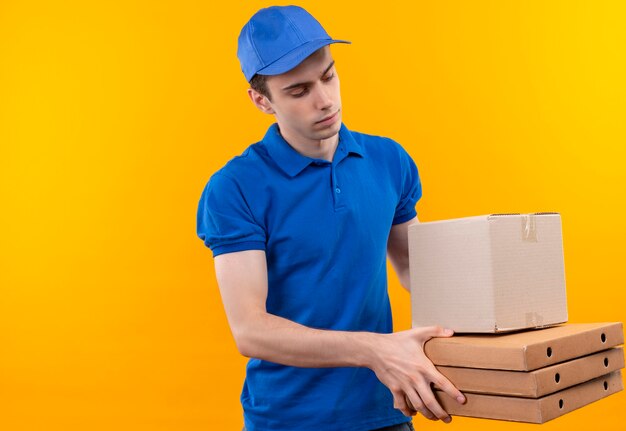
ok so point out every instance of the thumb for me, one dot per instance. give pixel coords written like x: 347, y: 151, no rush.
x: 437, y: 331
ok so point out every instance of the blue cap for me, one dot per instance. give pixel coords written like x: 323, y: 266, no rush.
x: 278, y: 38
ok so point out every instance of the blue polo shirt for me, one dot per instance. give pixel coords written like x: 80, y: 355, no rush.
x: 324, y: 229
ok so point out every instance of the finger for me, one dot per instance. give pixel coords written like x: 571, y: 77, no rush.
x: 414, y: 402
x: 412, y: 409
x: 399, y: 403
x: 430, y: 402
x: 442, y: 382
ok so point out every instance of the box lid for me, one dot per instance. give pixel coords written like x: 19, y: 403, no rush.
x: 524, y: 350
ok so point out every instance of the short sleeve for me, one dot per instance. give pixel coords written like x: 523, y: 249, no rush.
x: 411, y: 189
x: 225, y: 221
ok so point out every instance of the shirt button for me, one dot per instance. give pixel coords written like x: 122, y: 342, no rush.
x: 338, y: 190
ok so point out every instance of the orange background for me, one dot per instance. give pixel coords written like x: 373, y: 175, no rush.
x: 113, y: 115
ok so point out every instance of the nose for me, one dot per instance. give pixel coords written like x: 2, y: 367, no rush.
x: 323, y: 99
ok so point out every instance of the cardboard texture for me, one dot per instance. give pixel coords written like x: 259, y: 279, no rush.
x: 537, y: 383
x: 526, y: 350
x: 488, y: 274
x: 533, y: 410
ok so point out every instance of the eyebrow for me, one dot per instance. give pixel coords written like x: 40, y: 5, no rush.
x: 302, y: 84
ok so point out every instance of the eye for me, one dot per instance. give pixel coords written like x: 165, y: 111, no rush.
x: 301, y: 93
x: 329, y: 77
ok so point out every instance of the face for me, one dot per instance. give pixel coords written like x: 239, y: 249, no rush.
x: 306, y: 101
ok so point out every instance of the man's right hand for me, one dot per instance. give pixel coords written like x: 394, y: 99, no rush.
x: 400, y: 364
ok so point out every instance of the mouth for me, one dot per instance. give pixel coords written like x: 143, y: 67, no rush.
x: 328, y: 119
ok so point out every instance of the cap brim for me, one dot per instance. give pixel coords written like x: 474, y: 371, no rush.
x: 296, y: 56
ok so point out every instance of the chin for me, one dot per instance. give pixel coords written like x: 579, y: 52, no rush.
x: 326, y: 134
x: 329, y: 132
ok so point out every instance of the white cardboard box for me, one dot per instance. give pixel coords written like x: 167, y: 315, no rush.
x: 491, y: 273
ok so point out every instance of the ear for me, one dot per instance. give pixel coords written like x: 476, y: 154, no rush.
x: 260, y: 101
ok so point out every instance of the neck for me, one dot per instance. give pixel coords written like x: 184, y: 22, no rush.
x: 313, y: 148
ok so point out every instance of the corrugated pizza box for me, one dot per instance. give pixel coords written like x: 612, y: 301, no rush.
x: 524, y: 350
x: 531, y: 410
x: 537, y: 383
x: 486, y: 274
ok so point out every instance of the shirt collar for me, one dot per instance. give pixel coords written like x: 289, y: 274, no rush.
x: 292, y: 162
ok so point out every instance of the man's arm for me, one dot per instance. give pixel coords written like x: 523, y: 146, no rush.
x: 397, y: 359
x: 398, y: 251
x: 242, y: 278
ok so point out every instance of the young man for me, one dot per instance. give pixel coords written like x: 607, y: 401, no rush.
x: 300, y: 226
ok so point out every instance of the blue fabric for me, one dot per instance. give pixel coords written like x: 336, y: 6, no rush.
x: 277, y: 39
x: 324, y: 228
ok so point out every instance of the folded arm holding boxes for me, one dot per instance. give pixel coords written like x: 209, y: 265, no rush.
x: 397, y: 359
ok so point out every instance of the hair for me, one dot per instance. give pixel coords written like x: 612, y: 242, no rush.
x: 259, y: 84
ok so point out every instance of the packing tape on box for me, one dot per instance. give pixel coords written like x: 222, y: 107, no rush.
x: 534, y: 320
x: 529, y: 227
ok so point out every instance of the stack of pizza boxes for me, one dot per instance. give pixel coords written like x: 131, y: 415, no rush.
x: 499, y: 282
